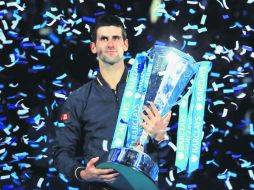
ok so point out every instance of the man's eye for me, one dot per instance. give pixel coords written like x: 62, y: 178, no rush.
x: 117, y: 37
x: 104, y: 38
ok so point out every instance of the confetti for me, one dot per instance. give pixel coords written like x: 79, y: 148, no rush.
x: 173, y: 146
x: 40, y: 181
x: 139, y: 29
x: 105, y: 145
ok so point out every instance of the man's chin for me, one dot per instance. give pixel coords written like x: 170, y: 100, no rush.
x: 111, y: 62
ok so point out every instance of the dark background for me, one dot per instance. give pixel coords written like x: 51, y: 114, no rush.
x: 38, y: 62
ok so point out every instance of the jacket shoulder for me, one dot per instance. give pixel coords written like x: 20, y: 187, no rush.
x: 82, y: 92
x: 77, y: 100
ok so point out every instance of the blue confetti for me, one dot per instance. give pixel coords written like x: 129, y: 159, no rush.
x: 54, y: 38
x: 88, y: 19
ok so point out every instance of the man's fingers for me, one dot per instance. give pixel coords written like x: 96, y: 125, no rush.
x: 149, y: 112
x: 143, y: 124
x: 104, y: 171
x: 167, y: 117
x: 92, y: 162
x: 154, y: 109
x: 145, y: 118
x: 111, y: 180
x: 109, y: 176
x: 146, y: 128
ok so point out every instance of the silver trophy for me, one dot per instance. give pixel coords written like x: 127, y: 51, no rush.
x: 171, y: 72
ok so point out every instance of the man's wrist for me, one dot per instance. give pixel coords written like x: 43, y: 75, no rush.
x: 162, y: 142
x: 78, y: 171
x: 163, y: 137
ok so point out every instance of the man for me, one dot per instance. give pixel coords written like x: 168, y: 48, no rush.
x: 90, y: 112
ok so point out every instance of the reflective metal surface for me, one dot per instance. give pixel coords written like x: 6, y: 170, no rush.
x: 136, y: 159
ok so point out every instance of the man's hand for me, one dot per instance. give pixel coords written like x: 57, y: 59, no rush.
x: 91, y: 173
x: 154, y: 124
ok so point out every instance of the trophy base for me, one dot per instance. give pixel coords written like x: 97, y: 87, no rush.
x: 137, y: 170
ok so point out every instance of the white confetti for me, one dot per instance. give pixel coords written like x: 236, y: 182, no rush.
x: 233, y: 103
x: 203, y: 19
x: 242, y: 95
x: 201, y: 6
x: 55, y: 19
x: 214, y: 85
x: 225, y: 5
x: 12, y: 57
x: 24, y: 107
x: 16, y: 128
x: 168, y: 182
x: 172, y: 38
x: 75, y: 31
x: 92, y: 74
x: 171, y: 175
x: 101, y: 5
x: 226, y: 58
x: 13, y: 85
x: 192, y: 2
x: 226, y: 133
x: 131, y: 61
x: 221, y: 4
x: 5, y: 25
x: 226, y: 76
x: 3, y: 177
x: 251, y: 174
x: 34, y: 58
x: 218, y: 49
x: 22, y: 112
x: 248, y: 28
x: 236, y: 45
x: 252, y: 54
x: 172, y: 145
x: 38, y: 127
x: 139, y: 29
x: 105, y: 145
x: 2, y: 150
x: 228, y: 184
x: 40, y: 181
x: 25, y: 139
x: 243, y: 52
x: 87, y: 27
x: 15, y: 4
x: 225, y: 112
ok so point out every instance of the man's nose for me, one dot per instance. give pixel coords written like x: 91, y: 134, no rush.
x: 111, y: 43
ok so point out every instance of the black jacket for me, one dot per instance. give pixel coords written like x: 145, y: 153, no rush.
x: 89, y: 118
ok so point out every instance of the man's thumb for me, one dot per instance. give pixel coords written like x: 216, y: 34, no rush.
x: 93, y: 161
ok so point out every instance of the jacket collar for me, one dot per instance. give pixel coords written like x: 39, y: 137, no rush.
x: 123, y: 79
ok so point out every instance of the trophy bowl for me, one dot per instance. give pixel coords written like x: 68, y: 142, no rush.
x: 138, y: 171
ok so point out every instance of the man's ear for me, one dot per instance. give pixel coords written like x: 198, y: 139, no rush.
x: 93, y: 47
x: 126, y: 45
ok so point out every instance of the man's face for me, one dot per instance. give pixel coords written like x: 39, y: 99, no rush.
x: 109, y: 45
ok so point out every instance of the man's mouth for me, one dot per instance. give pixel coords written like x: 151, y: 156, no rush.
x: 111, y: 51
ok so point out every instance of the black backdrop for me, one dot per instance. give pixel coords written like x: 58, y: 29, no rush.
x: 42, y: 61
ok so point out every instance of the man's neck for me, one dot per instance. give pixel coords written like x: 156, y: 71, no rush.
x: 112, y: 73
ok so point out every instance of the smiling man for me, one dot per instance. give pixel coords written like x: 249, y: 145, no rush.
x: 90, y: 112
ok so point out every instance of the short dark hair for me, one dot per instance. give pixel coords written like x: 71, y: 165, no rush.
x: 107, y: 20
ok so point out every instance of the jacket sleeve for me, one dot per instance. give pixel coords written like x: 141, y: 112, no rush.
x: 68, y: 136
